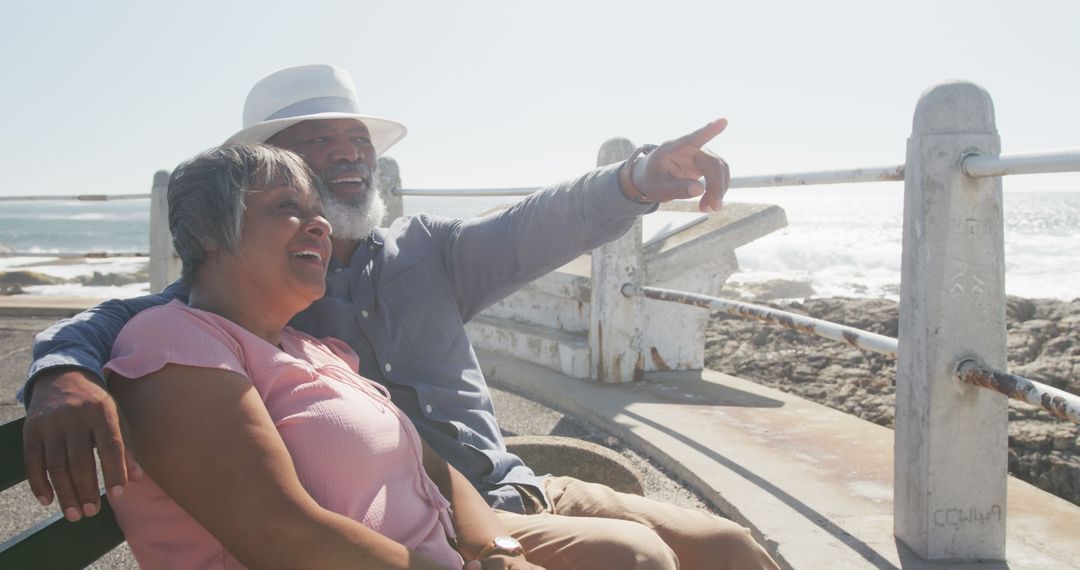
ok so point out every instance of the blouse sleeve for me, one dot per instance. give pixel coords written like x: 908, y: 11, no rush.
x: 171, y: 334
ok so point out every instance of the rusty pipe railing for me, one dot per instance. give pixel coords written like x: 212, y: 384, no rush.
x: 1064, y: 160
x: 893, y: 173
x: 855, y: 337
x: 1058, y: 402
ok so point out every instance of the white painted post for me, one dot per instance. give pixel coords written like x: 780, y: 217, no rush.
x: 164, y: 264
x: 951, y: 438
x: 387, y: 183
x: 615, y: 328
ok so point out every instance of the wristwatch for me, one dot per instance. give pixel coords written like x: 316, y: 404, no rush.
x: 506, y: 545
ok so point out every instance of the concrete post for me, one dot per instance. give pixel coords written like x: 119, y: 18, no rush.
x: 164, y: 264
x: 387, y: 183
x: 615, y: 326
x: 951, y: 437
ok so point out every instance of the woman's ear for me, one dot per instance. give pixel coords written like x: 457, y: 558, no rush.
x: 207, y: 246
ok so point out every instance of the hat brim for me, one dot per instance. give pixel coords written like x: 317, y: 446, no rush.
x: 384, y: 132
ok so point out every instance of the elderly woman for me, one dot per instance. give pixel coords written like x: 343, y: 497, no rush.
x: 263, y: 445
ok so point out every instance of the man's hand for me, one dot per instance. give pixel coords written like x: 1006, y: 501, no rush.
x: 69, y: 415
x: 499, y: 562
x: 672, y: 171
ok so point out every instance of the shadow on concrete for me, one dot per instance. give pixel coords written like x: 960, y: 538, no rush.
x: 821, y: 520
x: 689, y: 389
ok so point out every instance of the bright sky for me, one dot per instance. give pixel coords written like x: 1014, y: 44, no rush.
x: 96, y: 96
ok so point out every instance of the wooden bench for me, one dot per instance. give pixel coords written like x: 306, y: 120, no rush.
x: 53, y: 543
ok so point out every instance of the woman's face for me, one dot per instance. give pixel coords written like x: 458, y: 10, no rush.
x: 284, y: 244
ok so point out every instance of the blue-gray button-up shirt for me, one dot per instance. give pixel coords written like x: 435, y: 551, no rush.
x: 402, y: 304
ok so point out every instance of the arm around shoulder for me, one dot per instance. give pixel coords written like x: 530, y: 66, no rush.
x: 85, y: 341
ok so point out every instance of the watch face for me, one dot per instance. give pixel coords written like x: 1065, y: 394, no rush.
x: 507, y: 543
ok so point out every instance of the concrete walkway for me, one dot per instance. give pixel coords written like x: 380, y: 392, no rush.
x: 814, y: 484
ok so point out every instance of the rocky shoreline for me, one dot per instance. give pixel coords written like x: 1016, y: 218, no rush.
x: 1043, y: 344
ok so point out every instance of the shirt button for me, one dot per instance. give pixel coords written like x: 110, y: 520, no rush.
x: 387, y: 367
x: 363, y: 313
x: 427, y: 408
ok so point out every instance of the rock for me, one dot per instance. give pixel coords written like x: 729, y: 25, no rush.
x: 13, y: 282
x: 141, y: 275
x: 777, y: 289
x: 1019, y: 309
x: 29, y: 278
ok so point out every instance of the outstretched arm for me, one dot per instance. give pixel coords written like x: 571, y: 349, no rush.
x: 181, y: 418
x: 69, y: 413
x: 489, y: 258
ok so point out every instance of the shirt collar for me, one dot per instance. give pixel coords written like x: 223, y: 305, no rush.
x: 362, y: 253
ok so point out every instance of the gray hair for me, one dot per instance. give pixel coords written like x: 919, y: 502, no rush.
x: 206, y: 196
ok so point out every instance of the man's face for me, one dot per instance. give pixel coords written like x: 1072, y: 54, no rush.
x: 339, y: 151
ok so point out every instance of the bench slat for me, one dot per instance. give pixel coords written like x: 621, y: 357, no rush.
x: 54, y: 543
x: 12, y: 471
x: 58, y: 544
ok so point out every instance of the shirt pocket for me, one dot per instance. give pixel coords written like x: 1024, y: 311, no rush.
x: 421, y: 303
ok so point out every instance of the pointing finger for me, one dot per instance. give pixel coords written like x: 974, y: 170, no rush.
x: 702, y: 136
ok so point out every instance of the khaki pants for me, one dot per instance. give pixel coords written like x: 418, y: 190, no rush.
x: 590, y: 526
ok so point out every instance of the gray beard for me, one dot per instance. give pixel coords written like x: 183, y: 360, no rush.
x: 352, y: 221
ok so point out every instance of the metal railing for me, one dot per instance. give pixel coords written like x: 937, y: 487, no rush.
x: 848, y: 176
x: 78, y: 197
x: 77, y: 255
x: 1064, y: 160
x: 1060, y: 403
x: 807, y: 325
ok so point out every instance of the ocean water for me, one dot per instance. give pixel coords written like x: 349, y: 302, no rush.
x: 842, y: 240
x: 845, y: 240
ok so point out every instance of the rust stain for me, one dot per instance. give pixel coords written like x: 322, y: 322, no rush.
x: 1022, y: 389
x: 852, y: 338
x: 639, y: 368
x: 616, y: 370
x: 1056, y: 405
x: 657, y: 360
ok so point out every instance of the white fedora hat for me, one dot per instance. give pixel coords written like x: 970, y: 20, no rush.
x: 309, y: 92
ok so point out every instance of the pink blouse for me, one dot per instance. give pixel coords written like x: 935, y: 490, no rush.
x: 355, y: 452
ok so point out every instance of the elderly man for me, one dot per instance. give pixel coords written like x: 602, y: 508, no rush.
x: 400, y: 297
